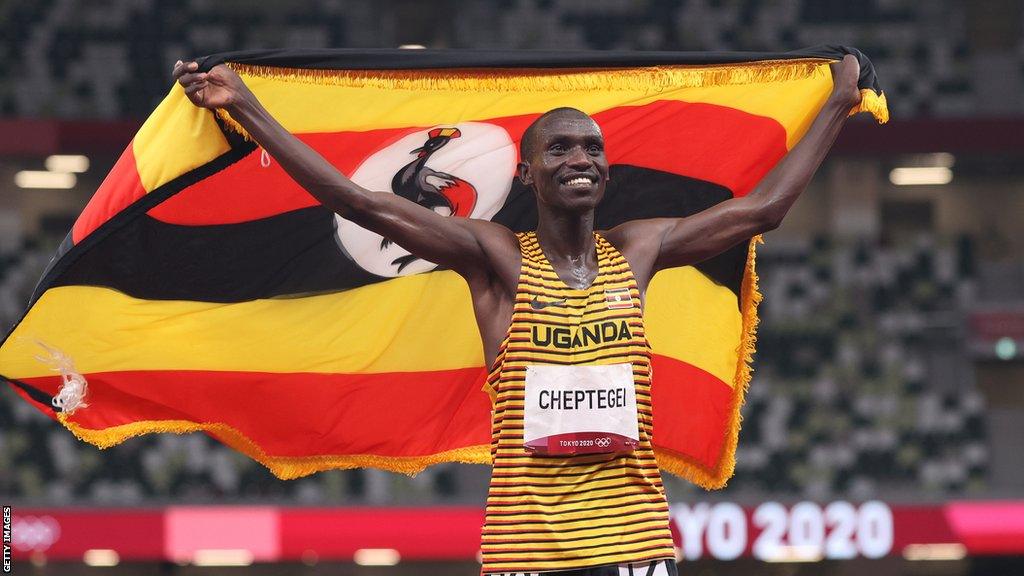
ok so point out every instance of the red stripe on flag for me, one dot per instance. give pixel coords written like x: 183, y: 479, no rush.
x: 120, y: 188
x: 713, y: 143
x: 394, y: 414
x: 703, y: 141
x: 692, y: 410
x: 44, y: 408
x: 248, y: 190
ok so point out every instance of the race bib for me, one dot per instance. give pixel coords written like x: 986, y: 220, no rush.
x: 580, y: 409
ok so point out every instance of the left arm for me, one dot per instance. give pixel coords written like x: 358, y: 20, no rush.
x: 654, y: 244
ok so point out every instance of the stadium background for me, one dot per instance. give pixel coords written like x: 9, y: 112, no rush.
x: 888, y: 373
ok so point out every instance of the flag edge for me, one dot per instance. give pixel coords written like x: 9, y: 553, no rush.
x: 282, y: 467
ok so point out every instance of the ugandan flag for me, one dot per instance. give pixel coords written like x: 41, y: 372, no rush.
x: 202, y: 289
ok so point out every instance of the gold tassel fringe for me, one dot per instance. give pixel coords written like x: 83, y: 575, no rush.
x: 873, y: 103
x: 232, y: 124
x: 541, y: 80
x: 546, y: 80
x: 650, y: 79
x: 285, y: 468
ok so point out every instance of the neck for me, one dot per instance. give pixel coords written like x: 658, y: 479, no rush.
x: 567, y: 236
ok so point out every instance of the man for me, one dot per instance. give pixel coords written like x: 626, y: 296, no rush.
x: 560, y: 315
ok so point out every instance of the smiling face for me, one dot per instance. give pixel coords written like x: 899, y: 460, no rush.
x: 563, y: 159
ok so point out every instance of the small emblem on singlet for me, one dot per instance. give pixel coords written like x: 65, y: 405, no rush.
x: 618, y: 298
x: 538, y: 305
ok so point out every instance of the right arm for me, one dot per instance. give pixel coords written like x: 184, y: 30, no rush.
x: 456, y: 243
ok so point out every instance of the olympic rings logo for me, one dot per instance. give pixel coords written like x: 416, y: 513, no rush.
x: 29, y: 533
x: 603, y: 442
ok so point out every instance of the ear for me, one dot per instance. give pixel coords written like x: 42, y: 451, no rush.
x: 523, y: 172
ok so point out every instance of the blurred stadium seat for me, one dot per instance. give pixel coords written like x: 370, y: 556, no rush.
x: 111, y: 58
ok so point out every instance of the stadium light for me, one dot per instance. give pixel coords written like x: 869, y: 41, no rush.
x: 916, y: 176
x: 951, y: 551
x: 376, y: 557
x: 222, y: 558
x: 44, y: 179
x: 101, y: 557
x: 67, y: 163
x: 943, y: 159
x: 1006, y: 348
x: 798, y: 553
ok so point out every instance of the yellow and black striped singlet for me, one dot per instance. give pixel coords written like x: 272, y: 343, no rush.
x: 547, y: 512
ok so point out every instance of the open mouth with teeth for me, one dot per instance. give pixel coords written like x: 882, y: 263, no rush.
x: 579, y: 181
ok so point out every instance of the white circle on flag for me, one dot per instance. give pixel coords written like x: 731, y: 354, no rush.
x: 481, y: 155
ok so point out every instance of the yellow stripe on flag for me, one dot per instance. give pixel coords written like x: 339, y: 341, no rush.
x: 177, y: 137
x: 428, y: 325
x: 691, y: 318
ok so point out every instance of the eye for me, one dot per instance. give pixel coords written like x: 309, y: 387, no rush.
x: 595, y: 149
x: 556, y: 149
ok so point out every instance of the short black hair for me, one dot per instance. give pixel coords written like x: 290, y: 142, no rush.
x: 526, y: 144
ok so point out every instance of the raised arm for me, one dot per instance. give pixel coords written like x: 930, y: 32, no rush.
x: 658, y: 243
x: 461, y: 244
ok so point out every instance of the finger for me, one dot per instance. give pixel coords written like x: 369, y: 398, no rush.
x: 194, y: 88
x: 191, y: 78
x: 187, y: 66
x: 854, y: 62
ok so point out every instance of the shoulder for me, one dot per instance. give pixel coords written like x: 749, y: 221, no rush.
x: 639, y: 242
x: 637, y: 234
x: 492, y: 236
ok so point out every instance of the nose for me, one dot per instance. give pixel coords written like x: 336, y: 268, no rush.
x: 577, y: 158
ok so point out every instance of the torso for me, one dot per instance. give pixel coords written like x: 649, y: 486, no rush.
x: 493, y: 291
x: 564, y: 512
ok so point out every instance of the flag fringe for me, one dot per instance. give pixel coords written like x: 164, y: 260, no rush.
x: 651, y: 79
x: 874, y: 104
x: 545, y: 80
x: 283, y: 467
x: 718, y: 477
x: 541, y: 80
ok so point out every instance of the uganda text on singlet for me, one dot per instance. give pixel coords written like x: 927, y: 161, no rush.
x: 548, y: 512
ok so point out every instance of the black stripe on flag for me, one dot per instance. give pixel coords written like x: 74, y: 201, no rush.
x: 296, y: 253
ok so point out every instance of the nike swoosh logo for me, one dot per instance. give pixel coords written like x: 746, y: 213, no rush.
x: 538, y: 305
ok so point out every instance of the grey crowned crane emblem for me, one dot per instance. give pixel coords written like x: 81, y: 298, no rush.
x: 431, y: 188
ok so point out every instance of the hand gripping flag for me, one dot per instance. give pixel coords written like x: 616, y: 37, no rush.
x: 202, y: 289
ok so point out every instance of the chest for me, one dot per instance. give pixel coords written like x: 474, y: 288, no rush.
x: 554, y: 317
